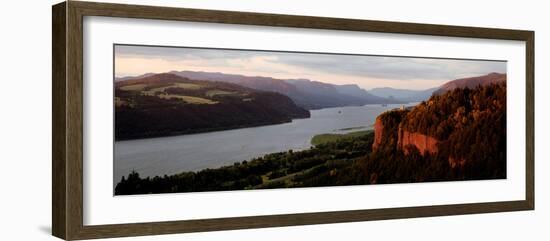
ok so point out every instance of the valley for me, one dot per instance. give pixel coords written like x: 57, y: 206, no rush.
x: 459, y: 133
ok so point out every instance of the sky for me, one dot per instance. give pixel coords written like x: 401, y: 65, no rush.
x: 364, y: 70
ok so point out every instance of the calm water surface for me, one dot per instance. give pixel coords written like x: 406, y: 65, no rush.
x: 170, y: 155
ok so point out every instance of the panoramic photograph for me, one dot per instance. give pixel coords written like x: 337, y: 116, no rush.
x: 192, y: 119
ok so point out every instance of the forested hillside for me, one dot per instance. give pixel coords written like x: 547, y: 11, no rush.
x: 167, y: 104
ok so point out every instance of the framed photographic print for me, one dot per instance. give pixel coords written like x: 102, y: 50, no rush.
x: 171, y: 120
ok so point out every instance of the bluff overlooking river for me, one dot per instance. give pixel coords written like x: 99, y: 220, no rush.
x: 467, y: 127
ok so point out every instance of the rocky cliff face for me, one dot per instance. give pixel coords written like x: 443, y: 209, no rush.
x: 386, y: 127
x: 383, y: 128
x: 378, y: 132
x: 422, y: 142
x: 388, y: 132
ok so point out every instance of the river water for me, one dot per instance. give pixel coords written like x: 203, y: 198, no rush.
x: 170, y: 155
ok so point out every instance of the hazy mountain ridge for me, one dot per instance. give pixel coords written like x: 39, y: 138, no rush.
x: 422, y: 95
x: 119, y: 79
x: 403, y: 94
x: 305, y: 93
x: 310, y: 94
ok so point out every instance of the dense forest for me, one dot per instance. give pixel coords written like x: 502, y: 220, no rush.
x: 167, y: 104
x: 470, y: 125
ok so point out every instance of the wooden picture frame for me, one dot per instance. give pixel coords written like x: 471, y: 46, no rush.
x: 67, y: 156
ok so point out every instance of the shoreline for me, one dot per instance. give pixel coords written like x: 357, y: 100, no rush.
x: 201, y: 131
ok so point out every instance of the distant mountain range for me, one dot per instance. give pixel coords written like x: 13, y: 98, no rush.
x: 403, y: 94
x: 305, y: 93
x: 310, y: 94
x: 421, y: 95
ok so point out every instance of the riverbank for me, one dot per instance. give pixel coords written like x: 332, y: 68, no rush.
x: 326, y: 164
x: 326, y: 138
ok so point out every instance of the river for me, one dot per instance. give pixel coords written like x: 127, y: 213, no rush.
x: 170, y: 155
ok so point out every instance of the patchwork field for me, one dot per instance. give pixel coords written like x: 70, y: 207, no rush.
x: 212, y: 93
x: 188, y: 86
x: 189, y: 99
x: 198, y: 93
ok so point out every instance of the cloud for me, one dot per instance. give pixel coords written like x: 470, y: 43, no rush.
x: 406, y: 72
x: 397, y: 68
x: 179, y: 53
